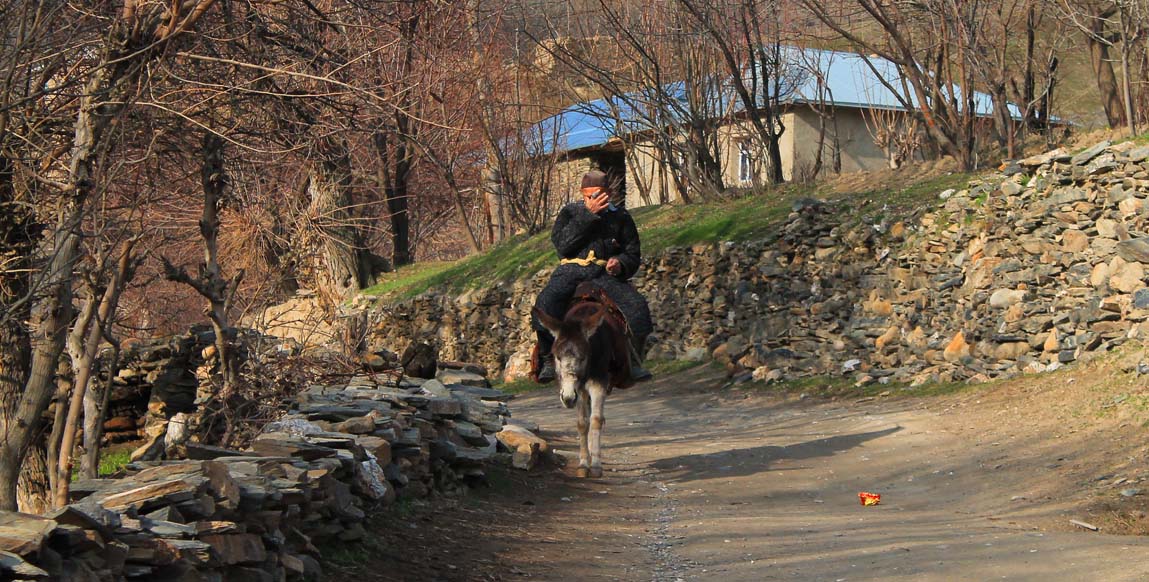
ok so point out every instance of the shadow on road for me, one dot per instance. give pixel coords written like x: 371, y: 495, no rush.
x: 741, y: 462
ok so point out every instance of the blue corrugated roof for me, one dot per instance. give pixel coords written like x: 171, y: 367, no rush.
x: 852, y: 79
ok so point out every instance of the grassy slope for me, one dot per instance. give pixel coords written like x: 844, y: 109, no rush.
x: 885, y: 194
x: 745, y: 218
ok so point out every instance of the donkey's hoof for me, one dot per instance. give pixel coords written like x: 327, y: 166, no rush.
x: 595, y: 472
x: 583, y: 472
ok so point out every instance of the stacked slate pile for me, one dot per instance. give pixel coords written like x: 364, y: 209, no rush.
x: 308, y: 479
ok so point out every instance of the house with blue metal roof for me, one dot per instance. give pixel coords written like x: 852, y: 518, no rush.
x: 850, y: 108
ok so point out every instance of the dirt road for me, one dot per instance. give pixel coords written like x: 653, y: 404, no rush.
x: 729, y: 485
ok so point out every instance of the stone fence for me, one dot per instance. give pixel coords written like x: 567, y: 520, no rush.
x: 1019, y: 273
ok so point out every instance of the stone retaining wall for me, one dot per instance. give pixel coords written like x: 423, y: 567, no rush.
x: 1023, y: 272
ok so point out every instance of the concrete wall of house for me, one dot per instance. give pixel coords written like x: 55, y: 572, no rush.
x: 645, y: 171
x: 799, y: 147
x: 855, y: 138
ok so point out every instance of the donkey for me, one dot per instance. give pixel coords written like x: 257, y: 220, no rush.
x: 591, y: 358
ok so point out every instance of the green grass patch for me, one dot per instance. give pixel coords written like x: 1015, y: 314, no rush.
x: 754, y: 215
x: 732, y: 220
x: 520, y: 386
x: 518, y: 257
x: 669, y: 367
x: 408, y: 276
x: 912, y: 197
x: 111, y: 461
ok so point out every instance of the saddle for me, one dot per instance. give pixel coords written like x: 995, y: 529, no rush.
x: 619, y: 367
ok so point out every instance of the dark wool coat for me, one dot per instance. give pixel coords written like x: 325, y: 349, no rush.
x: 577, y: 232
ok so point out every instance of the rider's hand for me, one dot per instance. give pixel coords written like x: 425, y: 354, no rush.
x: 598, y: 202
x: 613, y: 266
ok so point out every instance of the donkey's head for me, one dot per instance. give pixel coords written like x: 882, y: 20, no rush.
x: 573, y: 350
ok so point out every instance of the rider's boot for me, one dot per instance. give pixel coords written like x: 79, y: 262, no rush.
x: 547, y: 372
x: 637, y: 355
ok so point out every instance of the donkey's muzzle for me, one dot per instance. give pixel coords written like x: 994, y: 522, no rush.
x: 570, y: 401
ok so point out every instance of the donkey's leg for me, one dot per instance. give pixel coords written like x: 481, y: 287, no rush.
x: 583, y: 412
x: 597, y: 421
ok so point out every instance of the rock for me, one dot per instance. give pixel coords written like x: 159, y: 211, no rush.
x: 17, y: 569
x: 226, y: 492
x: 284, y: 446
x: 1134, y: 250
x: 120, y: 423
x: 202, y: 452
x: 1141, y: 299
x: 516, y: 437
x: 1107, y: 228
x: 22, y: 533
x: 370, y: 482
x: 420, y: 360
x: 463, y: 377
x: 167, y: 529
x: 1128, y: 278
x: 378, y: 448
x: 957, y: 349
x: 1099, y: 276
x: 1131, y: 207
x: 1042, y: 159
x: 1011, y: 351
x: 1074, y: 241
x: 89, y: 516
x: 694, y: 355
x: 1092, y: 152
x: 357, y: 425
x: 1003, y: 298
x: 524, y: 459
x: 518, y: 366
x: 444, y: 406
x: 435, y: 388
x: 191, y: 552
x: 237, y: 548
x: 1066, y: 196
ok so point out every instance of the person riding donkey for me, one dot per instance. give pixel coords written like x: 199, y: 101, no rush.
x: 597, y: 242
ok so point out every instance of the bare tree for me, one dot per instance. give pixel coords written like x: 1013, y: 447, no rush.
x: 88, y: 331
x: 1109, y: 25
x: 209, y: 281
x: 929, y: 42
x: 753, y: 55
x: 137, y: 34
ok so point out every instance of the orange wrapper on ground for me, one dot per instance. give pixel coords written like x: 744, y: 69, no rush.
x: 869, y: 498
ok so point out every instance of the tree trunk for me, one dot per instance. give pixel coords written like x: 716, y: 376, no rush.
x: 394, y: 183
x: 15, y: 343
x: 1127, y: 89
x: 1106, y: 78
x: 84, y: 363
x: 50, y: 318
x: 32, y: 489
x: 341, y: 264
x: 95, y: 410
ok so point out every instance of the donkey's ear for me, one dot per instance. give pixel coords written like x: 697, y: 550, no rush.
x: 592, y: 322
x: 549, y: 323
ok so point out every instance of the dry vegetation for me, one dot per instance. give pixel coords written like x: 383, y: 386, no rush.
x: 160, y: 158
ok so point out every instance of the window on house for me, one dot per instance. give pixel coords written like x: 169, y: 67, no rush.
x: 745, y: 162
